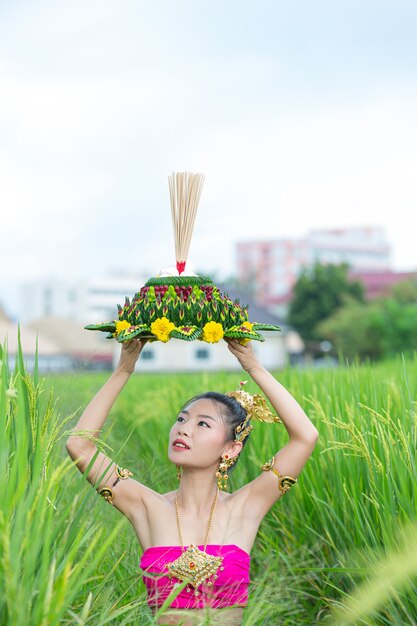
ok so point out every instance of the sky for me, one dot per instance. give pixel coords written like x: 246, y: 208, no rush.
x: 301, y: 115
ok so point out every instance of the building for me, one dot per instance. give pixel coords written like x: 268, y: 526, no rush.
x: 378, y: 284
x: 270, y: 268
x: 193, y: 356
x: 86, y: 350
x: 87, y: 302
x: 59, y: 345
x: 51, y: 358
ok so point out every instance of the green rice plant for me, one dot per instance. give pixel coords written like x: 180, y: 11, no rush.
x: 362, y: 487
x: 390, y: 574
x: 49, y: 549
x: 332, y: 551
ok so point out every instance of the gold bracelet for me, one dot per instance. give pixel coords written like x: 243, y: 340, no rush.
x: 284, y: 482
x: 106, y: 492
x: 123, y: 473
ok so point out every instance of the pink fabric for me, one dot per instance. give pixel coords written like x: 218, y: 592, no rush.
x: 229, y: 589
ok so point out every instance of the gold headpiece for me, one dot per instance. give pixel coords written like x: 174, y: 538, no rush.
x: 256, y: 408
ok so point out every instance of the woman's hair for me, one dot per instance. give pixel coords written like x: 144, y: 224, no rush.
x: 232, y: 413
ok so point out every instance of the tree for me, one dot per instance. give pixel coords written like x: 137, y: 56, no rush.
x: 317, y: 294
x: 379, y: 329
x: 405, y: 291
x: 355, y: 330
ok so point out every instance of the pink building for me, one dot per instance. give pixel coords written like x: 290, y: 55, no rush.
x: 271, y: 267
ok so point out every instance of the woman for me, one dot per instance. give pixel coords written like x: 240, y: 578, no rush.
x: 199, y: 532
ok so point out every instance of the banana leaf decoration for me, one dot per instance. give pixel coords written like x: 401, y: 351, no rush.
x: 182, y: 307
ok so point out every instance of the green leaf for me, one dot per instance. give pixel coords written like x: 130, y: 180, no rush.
x: 179, y: 280
x: 240, y: 334
x: 108, y: 327
x: 134, y: 331
x: 260, y: 326
x: 188, y: 335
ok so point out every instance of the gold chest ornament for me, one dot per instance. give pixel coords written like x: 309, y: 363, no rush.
x: 195, y: 565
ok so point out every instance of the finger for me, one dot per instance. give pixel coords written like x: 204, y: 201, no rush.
x: 233, y: 349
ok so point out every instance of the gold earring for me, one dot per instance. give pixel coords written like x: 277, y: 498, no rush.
x: 178, y: 471
x: 221, y: 474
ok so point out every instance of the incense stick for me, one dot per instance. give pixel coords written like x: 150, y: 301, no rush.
x: 185, y: 190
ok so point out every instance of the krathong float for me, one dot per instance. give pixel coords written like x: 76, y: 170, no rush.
x: 176, y: 305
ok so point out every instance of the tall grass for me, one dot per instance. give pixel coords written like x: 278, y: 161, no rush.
x: 339, y: 548
x: 52, y: 546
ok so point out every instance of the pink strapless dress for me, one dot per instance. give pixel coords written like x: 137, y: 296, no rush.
x: 230, y: 588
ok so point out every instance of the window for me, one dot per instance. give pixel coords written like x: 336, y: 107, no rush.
x: 148, y: 355
x: 202, y: 353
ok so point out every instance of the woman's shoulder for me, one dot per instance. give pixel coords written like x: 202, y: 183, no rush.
x: 169, y: 496
x: 152, y: 497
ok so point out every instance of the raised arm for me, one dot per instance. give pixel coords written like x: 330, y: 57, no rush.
x: 81, y: 444
x: 264, y: 490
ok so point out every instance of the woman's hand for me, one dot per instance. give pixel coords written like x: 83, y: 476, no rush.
x: 244, y: 354
x: 129, y: 355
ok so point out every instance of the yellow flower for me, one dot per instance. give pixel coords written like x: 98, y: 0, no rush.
x: 212, y: 332
x: 122, y: 325
x: 247, y: 325
x: 162, y: 328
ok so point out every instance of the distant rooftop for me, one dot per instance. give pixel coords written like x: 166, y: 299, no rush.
x: 379, y: 283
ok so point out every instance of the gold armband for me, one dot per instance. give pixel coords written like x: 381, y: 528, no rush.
x: 107, y: 492
x: 284, y: 482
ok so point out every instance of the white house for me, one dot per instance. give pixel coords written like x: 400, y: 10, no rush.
x: 184, y: 356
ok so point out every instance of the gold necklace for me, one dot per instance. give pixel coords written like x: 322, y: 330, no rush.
x: 195, y: 565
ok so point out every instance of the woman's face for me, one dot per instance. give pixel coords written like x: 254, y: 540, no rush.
x: 201, y: 428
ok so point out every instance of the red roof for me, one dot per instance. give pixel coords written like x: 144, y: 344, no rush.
x: 379, y: 283
x: 375, y: 283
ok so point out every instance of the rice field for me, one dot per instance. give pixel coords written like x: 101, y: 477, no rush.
x: 339, y: 549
